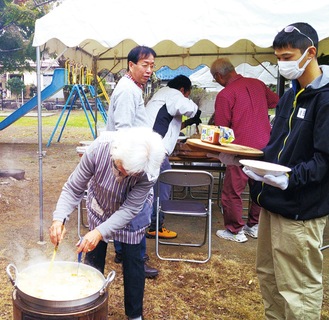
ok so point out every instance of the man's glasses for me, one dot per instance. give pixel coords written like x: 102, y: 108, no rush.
x: 146, y: 66
x: 289, y: 29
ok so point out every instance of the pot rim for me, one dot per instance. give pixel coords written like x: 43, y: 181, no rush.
x: 60, y: 303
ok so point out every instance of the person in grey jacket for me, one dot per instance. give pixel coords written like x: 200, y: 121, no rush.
x: 118, y: 170
x: 127, y: 110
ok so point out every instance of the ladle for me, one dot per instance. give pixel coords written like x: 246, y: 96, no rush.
x: 79, y: 256
x: 56, y: 247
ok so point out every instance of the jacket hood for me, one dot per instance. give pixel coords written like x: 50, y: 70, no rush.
x: 323, y: 79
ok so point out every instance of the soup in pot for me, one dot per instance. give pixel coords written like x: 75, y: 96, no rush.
x: 60, y: 282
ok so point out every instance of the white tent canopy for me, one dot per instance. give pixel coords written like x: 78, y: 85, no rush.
x: 265, y: 72
x: 181, y: 32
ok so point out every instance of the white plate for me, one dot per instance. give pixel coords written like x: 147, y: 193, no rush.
x: 262, y: 168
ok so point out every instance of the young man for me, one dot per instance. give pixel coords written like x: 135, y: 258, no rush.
x: 127, y: 109
x: 242, y: 106
x: 118, y: 170
x: 165, y: 111
x: 295, y: 206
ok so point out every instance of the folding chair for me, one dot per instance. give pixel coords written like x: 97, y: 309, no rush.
x: 81, y: 208
x: 195, y: 208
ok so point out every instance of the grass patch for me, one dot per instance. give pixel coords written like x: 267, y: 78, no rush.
x: 220, y: 289
x: 77, y: 118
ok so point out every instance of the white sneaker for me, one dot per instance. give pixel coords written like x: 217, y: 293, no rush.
x: 251, y: 231
x: 228, y: 235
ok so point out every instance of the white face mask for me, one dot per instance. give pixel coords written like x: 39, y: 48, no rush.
x: 290, y: 69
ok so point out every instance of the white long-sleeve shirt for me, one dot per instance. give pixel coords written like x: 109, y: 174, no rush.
x: 176, y: 106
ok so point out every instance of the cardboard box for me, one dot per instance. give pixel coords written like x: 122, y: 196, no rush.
x: 210, y: 134
x: 226, y: 135
x: 216, y: 134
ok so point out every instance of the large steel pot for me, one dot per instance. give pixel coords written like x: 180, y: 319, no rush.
x: 76, y: 304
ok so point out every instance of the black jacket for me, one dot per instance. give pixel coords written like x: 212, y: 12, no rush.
x: 299, y: 140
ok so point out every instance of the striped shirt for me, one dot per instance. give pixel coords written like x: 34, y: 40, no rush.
x: 111, y: 205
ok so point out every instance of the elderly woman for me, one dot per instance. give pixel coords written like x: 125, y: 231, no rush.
x: 119, y: 170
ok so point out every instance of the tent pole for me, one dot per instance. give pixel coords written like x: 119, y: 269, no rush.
x: 281, y: 84
x: 40, y: 153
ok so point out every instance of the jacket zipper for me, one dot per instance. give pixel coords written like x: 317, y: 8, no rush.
x: 289, y: 122
x: 286, y: 138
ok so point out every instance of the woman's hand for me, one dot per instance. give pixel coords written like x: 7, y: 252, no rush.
x: 57, y: 232
x: 89, y: 241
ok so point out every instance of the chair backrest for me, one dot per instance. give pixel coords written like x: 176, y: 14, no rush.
x: 187, y: 178
x: 185, y: 207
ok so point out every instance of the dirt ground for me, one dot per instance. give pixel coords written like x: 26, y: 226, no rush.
x: 224, y: 288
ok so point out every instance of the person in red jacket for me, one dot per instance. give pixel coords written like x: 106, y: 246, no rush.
x: 242, y: 106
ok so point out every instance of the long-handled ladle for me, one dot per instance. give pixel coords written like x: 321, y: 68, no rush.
x: 56, y: 247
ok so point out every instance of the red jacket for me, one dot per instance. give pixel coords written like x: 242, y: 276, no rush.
x: 243, y: 106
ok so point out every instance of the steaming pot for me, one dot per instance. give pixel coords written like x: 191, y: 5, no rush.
x: 32, y: 301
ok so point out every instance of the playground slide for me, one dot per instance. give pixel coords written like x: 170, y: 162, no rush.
x: 57, y: 83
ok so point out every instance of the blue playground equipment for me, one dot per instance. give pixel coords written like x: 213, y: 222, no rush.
x: 57, y: 83
x: 62, y: 77
x: 79, y: 91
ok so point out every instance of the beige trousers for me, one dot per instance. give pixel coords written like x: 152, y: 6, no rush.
x: 289, y: 266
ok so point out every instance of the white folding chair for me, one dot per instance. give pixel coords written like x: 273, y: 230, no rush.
x: 193, y: 208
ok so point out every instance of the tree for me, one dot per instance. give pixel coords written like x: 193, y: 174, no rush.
x: 33, y: 90
x: 16, y: 86
x: 16, y: 33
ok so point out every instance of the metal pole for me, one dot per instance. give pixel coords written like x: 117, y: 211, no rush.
x: 280, y: 85
x: 94, y: 67
x: 40, y: 153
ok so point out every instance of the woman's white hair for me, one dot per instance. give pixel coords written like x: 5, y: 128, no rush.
x: 139, y: 149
